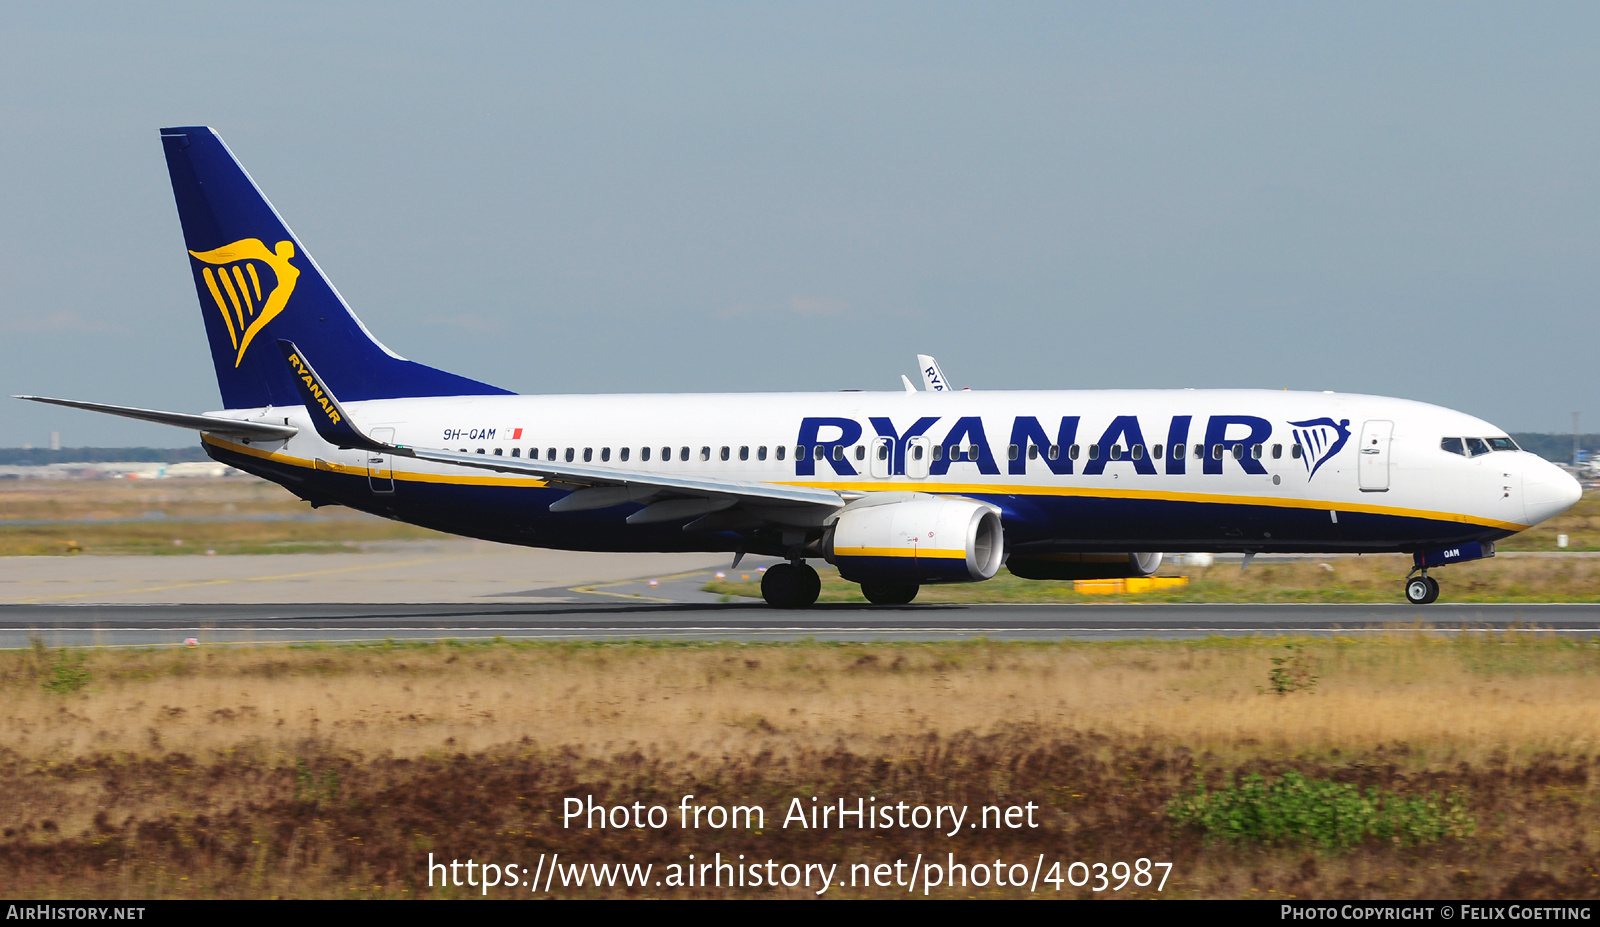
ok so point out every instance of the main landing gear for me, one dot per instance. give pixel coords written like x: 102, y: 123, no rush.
x: 797, y: 585
x: 791, y: 585
x: 1422, y: 589
x: 889, y: 593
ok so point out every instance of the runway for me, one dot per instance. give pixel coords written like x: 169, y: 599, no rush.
x: 467, y: 590
x: 169, y: 625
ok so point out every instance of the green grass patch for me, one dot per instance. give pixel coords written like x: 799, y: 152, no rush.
x: 1321, y: 812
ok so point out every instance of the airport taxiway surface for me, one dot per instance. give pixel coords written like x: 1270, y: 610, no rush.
x: 472, y: 590
x: 123, y: 625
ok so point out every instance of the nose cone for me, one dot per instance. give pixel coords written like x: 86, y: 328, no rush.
x: 1548, y: 490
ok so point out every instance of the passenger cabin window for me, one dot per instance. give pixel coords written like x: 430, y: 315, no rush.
x: 883, y: 452
x: 1216, y: 452
x: 1033, y: 452
x: 683, y: 453
x: 1277, y: 451
x: 1055, y: 452
x: 1255, y: 451
x: 622, y: 455
x: 761, y: 452
x: 550, y: 454
x: 705, y: 453
x: 605, y: 454
x: 1295, y: 451
x: 744, y: 453
x: 725, y: 454
x: 938, y: 451
x: 1012, y: 452
x: 779, y: 450
x: 1477, y: 447
x: 644, y: 454
x: 1200, y: 451
x: 499, y: 452
x: 1503, y: 444
x: 1238, y: 452
x: 1138, y: 452
x: 1177, y: 450
x: 1116, y: 452
x: 516, y: 452
x: 861, y: 452
x: 666, y: 454
x: 916, y: 452
x: 480, y: 450
x: 1155, y: 451
x: 588, y: 455
x: 1072, y: 452
x: 1094, y: 452
x: 838, y: 452
x: 1454, y: 446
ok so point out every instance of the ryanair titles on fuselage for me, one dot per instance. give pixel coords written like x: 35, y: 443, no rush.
x: 826, y: 439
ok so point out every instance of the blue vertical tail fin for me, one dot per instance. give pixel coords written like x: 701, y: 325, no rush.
x: 257, y: 285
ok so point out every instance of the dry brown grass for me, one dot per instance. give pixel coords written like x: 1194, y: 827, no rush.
x: 232, y: 515
x: 1452, y: 699
x: 329, y: 771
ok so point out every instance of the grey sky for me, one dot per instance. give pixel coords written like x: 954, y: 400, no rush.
x: 1391, y: 198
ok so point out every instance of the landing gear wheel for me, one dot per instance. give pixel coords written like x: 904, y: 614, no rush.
x: 790, y: 585
x: 1422, y: 590
x: 810, y: 584
x: 780, y: 586
x: 889, y: 593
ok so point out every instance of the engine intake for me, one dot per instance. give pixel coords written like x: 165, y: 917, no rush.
x: 918, y: 540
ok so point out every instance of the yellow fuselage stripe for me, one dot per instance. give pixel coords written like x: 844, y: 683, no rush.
x: 932, y: 553
x: 1157, y: 495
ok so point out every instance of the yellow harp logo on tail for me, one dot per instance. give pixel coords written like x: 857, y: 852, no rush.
x: 238, y: 289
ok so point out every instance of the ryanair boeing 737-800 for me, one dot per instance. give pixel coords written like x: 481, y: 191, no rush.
x: 897, y: 489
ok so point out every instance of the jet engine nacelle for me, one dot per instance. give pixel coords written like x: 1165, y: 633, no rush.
x: 916, y: 539
x: 1083, y: 566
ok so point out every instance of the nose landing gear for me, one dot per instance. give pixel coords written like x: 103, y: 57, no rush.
x: 1422, y: 589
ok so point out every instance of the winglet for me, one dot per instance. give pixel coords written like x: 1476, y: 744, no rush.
x: 907, y: 381
x: 932, y: 376
x: 329, y: 418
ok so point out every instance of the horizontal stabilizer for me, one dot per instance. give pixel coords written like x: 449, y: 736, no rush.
x: 213, y: 424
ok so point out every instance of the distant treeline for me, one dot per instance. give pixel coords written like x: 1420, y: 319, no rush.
x: 35, y: 455
x: 1555, y: 447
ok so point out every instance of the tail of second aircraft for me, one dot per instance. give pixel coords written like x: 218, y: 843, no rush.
x: 258, y: 285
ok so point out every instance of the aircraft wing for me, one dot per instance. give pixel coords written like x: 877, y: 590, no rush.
x: 597, y: 487
x: 581, y: 476
x: 214, y: 424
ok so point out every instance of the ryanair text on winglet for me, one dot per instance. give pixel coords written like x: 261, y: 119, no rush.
x: 317, y: 392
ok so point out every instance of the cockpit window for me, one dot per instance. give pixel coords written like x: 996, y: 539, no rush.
x: 1476, y: 446
x: 1503, y: 444
x: 1454, y: 446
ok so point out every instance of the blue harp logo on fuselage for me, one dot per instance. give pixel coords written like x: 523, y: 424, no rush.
x: 1321, y: 439
x: 234, y: 276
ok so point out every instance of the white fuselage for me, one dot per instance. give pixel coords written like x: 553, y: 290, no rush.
x: 1260, y: 470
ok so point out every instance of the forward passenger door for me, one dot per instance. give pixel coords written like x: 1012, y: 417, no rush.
x: 1372, y: 462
